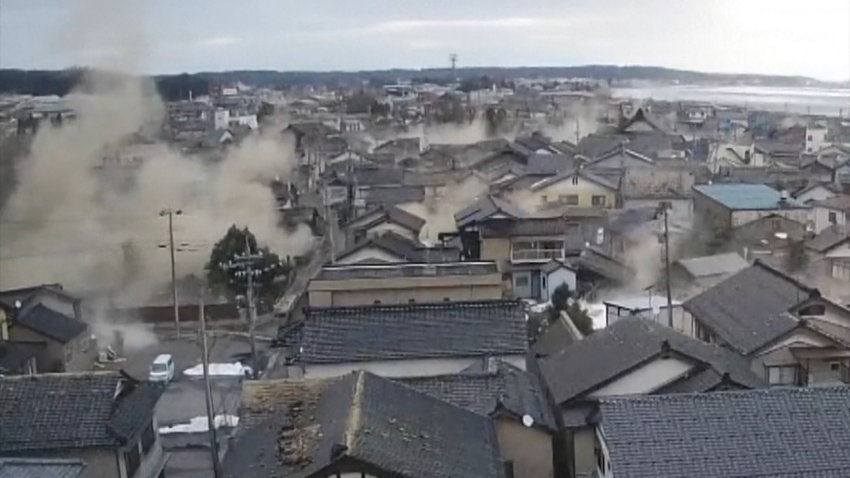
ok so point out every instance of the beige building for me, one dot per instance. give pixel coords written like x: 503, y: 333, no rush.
x: 577, y: 188
x: 404, y: 283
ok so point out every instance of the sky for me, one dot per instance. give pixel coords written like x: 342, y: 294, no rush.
x: 788, y: 37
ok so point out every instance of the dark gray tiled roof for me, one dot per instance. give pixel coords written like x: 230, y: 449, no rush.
x: 378, y: 177
x: 551, y: 163
x: 779, y: 432
x: 394, y: 214
x: 484, y: 208
x: 51, y: 324
x: 486, y: 391
x: 359, y: 419
x: 829, y: 238
x: 40, y: 468
x: 392, y: 195
x: 59, y: 411
x: 10, y: 296
x: 396, y: 332
x: 15, y: 355
x: 748, y: 309
x: 555, y: 338
x: 582, y: 173
x: 405, y: 249
x: 405, y: 269
x: 555, y: 226
x: 625, y: 344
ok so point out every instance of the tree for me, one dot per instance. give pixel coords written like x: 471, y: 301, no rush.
x: 270, y: 282
x: 796, y: 260
x: 266, y: 110
x: 561, y: 297
x: 580, y: 317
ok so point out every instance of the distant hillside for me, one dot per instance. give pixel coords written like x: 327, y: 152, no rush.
x: 177, y: 86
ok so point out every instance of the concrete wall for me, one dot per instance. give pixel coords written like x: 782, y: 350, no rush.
x: 584, y: 458
x: 529, y: 448
x: 82, y: 349
x: 821, y: 218
x: 495, y: 249
x: 404, y: 368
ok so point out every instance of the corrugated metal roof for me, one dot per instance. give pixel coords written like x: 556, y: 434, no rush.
x: 748, y: 197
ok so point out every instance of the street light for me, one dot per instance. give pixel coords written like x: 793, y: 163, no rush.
x: 171, y: 213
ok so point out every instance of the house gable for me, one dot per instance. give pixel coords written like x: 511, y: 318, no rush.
x: 646, y: 378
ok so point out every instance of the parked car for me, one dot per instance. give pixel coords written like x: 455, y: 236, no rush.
x: 162, y: 369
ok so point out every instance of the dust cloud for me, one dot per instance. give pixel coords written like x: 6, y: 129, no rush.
x: 92, y: 225
x: 439, y: 212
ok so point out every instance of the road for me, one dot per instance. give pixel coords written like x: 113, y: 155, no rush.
x: 184, y: 398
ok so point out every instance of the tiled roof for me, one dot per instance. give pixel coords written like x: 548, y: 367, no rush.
x: 10, y: 296
x: 625, y: 344
x: 554, y: 226
x: 416, y: 331
x: 838, y: 203
x: 303, y: 427
x: 487, y: 391
x: 51, y: 324
x: 389, y: 212
x: 406, y: 269
x: 582, y: 173
x: 717, y: 264
x: 748, y: 309
x: 15, y: 355
x: 778, y: 432
x: 404, y: 249
x: 557, y: 336
x: 484, y: 208
x: 747, y: 197
x: 59, y: 411
x: 829, y: 238
x: 41, y: 468
x: 392, y: 195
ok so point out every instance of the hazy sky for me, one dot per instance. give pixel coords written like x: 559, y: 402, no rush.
x: 805, y: 37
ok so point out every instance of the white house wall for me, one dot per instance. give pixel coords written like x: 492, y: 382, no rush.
x: 646, y: 378
x: 392, y: 227
x: 369, y: 254
x: 821, y: 217
x: 819, y: 193
x: 405, y: 368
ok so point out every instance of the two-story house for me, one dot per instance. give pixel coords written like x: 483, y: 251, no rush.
x: 632, y: 356
x: 47, y: 314
x: 768, y: 432
x: 577, y: 188
x: 105, y: 419
x: 523, y: 246
x: 726, y: 207
x: 829, y: 261
x: 790, y: 333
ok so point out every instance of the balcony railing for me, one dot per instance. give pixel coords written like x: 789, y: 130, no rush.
x: 534, y: 255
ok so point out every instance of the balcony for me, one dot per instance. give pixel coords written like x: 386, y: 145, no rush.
x: 536, y: 255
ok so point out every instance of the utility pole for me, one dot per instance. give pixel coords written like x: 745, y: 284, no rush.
x: 330, y: 225
x: 205, y: 357
x: 667, y: 267
x: 171, y: 213
x: 245, y: 265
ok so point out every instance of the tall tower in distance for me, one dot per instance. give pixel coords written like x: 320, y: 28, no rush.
x: 453, y: 59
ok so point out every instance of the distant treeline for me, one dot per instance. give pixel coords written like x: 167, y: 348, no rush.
x: 173, y: 87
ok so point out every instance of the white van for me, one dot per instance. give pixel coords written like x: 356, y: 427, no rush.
x: 162, y: 369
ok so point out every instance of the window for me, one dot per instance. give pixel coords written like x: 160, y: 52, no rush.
x: 148, y: 438
x: 411, y: 301
x: 835, y: 366
x: 575, y: 180
x: 597, y: 200
x: 777, y: 224
x: 570, y: 199
x: 809, y: 137
x: 446, y: 299
x: 841, y: 270
x: 132, y: 460
x: 782, y: 375
x: 703, y: 333
x: 543, y: 282
x: 833, y: 218
x: 521, y: 281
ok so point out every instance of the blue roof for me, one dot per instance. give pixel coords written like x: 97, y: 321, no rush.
x: 747, y: 197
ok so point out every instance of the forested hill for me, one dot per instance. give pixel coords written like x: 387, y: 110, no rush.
x: 42, y: 82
